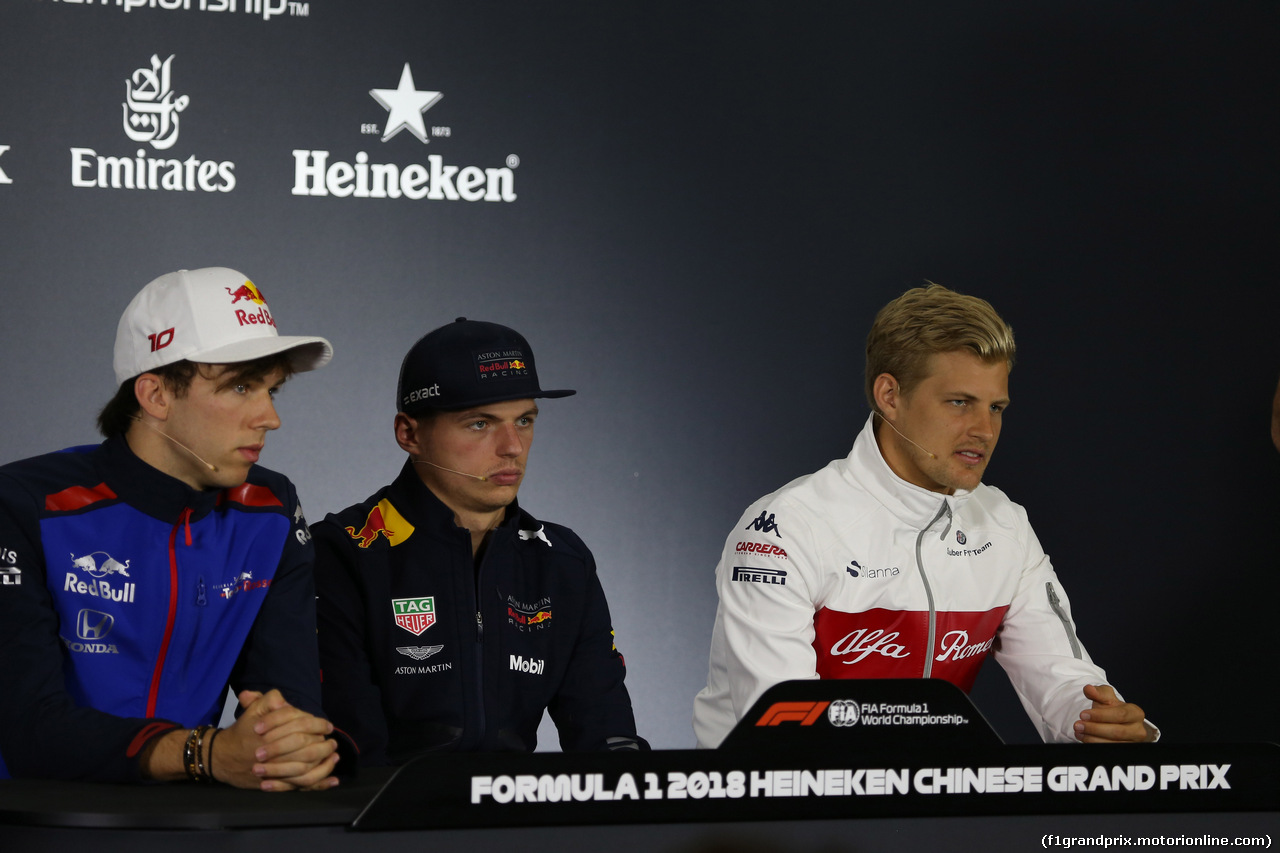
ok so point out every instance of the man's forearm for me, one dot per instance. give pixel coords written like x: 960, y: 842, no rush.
x: 161, y: 759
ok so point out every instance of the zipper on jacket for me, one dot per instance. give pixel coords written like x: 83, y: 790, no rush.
x: 928, y: 591
x: 1056, y: 604
x: 201, y: 601
x: 479, y: 646
x: 184, y: 521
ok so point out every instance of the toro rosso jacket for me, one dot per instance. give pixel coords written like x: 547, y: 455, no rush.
x: 423, y: 649
x: 851, y: 572
x: 130, y: 601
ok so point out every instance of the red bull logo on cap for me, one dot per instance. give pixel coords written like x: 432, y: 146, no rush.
x: 415, y: 615
x: 382, y: 520
x: 247, y: 292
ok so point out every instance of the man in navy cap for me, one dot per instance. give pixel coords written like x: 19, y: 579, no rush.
x: 449, y: 617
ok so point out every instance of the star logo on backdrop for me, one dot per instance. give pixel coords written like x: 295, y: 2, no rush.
x: 405, y: 105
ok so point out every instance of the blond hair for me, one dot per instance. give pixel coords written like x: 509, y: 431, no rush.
x: 928, y: 320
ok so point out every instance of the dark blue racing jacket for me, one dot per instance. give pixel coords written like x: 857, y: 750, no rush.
x: 129, y: 602
x: 422, y: 649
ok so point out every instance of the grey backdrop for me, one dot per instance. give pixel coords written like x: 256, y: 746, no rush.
x: 712, y: 201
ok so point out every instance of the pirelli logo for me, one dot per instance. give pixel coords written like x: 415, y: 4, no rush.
x: 746, y: 574
x: 804, y: 713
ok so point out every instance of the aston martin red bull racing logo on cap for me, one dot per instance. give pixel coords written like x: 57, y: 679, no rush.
x: 415, y: 615
x: 382, y: 520
x: 501, y: 364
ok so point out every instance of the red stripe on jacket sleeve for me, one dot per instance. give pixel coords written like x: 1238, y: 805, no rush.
x: 251, y: 495
x: 78, y: 497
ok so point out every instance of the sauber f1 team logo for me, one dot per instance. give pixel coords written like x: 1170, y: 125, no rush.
x: 804, y: 713
x: 415, y: 615
x: 382, y: 519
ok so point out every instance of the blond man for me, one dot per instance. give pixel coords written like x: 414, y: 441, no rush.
x: 896, y: 561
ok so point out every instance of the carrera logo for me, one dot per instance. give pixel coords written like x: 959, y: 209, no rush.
x: 761, y: 549
x: 804, y: 713
x: 415, y: 615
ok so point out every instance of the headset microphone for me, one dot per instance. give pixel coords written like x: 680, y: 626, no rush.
x: 175, y: 441
x: 899, y: 432
x: 450, y: 470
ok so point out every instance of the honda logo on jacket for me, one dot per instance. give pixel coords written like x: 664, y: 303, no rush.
x: 533, y: 667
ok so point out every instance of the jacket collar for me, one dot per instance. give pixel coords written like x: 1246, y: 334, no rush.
x: 148, y: 488
x: 422, y: 508
x: 914, y: 505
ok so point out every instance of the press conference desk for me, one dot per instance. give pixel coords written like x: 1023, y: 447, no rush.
x: 686, y: 800
x: 834, y: 765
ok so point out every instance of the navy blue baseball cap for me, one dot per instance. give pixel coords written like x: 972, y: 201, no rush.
x: 468, y: 363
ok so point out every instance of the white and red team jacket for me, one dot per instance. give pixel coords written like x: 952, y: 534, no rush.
x: 852, y: 572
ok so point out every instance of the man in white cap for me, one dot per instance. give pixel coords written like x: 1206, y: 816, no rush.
x: 141, y: 577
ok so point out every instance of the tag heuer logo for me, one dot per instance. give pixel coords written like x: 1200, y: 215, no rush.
x: 415, y: 615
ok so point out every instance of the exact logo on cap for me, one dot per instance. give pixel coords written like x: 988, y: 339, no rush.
x: 501, y: 364
x: 421, y: 394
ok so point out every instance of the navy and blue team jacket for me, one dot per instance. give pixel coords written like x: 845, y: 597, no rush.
x: 130, y: 601
x: 422, y: 649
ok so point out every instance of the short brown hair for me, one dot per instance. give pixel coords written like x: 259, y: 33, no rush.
x: 929, y: 320
x: 123, y: 408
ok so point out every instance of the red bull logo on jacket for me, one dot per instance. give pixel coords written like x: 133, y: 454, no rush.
x: 415, y: 615
x: 526, y: 616
x: 385, y: 520
x: 100, y: 564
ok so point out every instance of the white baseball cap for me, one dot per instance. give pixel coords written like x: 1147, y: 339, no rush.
x: 213, y: 316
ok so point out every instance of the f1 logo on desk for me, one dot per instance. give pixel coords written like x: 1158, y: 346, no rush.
x: 804, y: 713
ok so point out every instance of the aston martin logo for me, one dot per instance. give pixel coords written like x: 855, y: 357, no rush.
x: 419, y: 652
